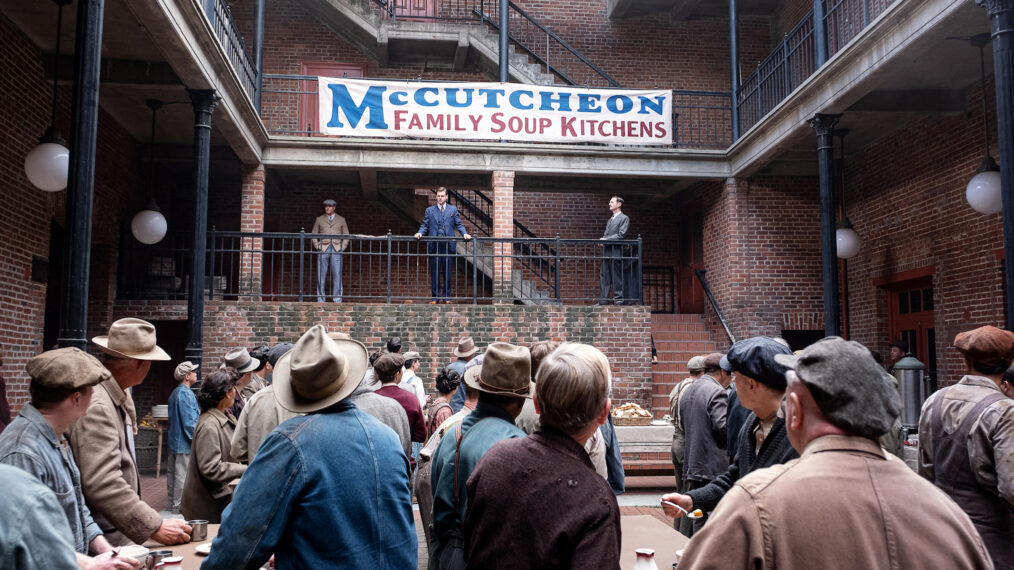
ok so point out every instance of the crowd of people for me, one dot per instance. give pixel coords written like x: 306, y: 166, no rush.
x: 309, y: 455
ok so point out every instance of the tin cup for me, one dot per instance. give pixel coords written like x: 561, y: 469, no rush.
x: 198, y: 530
x: 156, y: 556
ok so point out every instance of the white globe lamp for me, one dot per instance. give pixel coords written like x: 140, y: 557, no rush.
x: 847, y: 240
x: 149, y: 225
x: 983, y: 192
x: 46, y: 165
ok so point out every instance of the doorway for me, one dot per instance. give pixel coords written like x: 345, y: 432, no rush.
x: 308, y: 112
x: 910, y: 318
x: 689, y: 260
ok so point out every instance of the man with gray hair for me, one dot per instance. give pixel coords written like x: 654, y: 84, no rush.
x: 845, y: 503
x: 537, y: 502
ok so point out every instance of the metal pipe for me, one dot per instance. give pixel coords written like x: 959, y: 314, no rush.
x: 1001, y: 15
x: 259, y: 53
x: 819, y: 35
x: 824, y: 125
x: 504, y: 38
x: 734, y: 64
x: 204, y: 102
x: 84, y: 118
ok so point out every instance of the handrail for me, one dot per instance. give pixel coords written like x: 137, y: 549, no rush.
x: 714, y: 304
x: 550, y: 35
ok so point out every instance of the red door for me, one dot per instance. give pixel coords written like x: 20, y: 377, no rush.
x: 307, y: 103
x: 691, y: 258
x: 910, y: 318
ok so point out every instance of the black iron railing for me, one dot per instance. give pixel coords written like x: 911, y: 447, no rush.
x: 702, y: 119
x: 714, y: 304
x: 220, y: 16
x: 382, y: 269
x: 660, y: 288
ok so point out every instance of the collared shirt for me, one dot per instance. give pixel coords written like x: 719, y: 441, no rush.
x: 183, y: 413
x: 990, y: 440
x: 316, y: 504
x: 499, y: 427
x: 34, y: 533
x: 414, y: 385
x: 844, y: 504
x: 30, y: 443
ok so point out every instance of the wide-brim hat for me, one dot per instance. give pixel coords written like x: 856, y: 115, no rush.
x: 506, y: 370
x: 465, y: 348
x: 131, y: 338
x: 241, y: 360
x: 318, y: 372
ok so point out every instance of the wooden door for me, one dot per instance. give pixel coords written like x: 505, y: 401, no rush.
x: 691, y: 258
x: 910, y: 318
x: 308, y: 122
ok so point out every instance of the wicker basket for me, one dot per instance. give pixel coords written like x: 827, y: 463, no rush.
x: 632, y: 421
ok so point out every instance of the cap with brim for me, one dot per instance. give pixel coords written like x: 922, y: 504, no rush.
x: 987, y: 345
x: 465, y: 348
x: 318, y: 372
x: 849, y: 387
x: 131, y: 338
x: 755, y: 358
x: 241, y: 360
x: 505, y: 371
x: 713, y: 360
x: 66, y: 368
x: 472, y: 369
x: 330, y: 202
x: 184, y: 368
x: 696, y: 364
x: 276, y: 352
x: 724, y: 363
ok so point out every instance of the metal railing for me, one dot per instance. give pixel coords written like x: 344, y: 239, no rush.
x: 799, y: 55
x: 714, y: 304
x: 220, y: 16
x: 660, y: 288
x: 381, y: 269
x: 701, y: 119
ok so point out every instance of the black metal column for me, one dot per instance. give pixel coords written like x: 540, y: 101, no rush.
x: 259, y: 53
x: 1001, y: 15
x: 819, y: 34
x: 84, y: 119
x: 204, y: 101
x: 824, y: 125
x: 734, y: 62
x: 505, y: 62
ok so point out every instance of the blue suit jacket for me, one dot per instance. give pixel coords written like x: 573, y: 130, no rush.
x: 442, y: 224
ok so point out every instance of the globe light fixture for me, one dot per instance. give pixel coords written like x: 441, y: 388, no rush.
x: 47, y: 164
x: 983, y: 191
x: 149, y: 226
x: 847, y: 239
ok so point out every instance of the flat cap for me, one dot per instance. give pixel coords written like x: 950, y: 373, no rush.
x: 713, y: 361
x: 696, y: 363
x: 987, y: 345
x: 67, y: 368
x: 849, y: 387
x: 755, y: 358
x: 330, y: 202
x: 184, y: 368
x: 276, y: 352
x: 724, y: 363
x: 412, y: 355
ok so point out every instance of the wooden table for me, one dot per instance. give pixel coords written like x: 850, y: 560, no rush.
x: 191, y: 559
x: 645, y: 531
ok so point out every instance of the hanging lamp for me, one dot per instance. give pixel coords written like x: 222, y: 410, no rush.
x: 149, y: 225
x: 47, y: 164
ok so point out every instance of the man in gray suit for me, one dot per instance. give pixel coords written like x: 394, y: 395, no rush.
x: 614, y: 266
x: 330, y: 223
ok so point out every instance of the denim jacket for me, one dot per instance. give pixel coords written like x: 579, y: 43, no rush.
x: 183, y: 414
x: 327, y: 490
x: 30, y: 443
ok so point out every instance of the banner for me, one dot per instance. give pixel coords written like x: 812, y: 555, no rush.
x: 494, y: 111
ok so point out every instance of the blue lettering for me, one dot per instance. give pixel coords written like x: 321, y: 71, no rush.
x: 515, y: 100
x: 562, y: 101
x: 452, y: 97
x: 420, y: 97
x: 619, y: 104
x: 492, y: 97
x: 398, y: 98
x: 646, y: 103
x: 341, y: 99
x: 588, y: 103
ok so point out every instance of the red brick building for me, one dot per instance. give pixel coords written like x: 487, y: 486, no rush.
x: 745, y: 209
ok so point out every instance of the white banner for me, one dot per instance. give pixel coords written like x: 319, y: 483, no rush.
x: 494, y: 111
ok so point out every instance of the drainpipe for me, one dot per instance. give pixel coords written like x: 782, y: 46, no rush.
x: 824, y: 125
x: 259, y: 54
x: 734, y: 61
x: 505, y: 62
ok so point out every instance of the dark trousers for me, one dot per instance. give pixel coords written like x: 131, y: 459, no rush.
x: 612, y: 273
x: 441, y: 266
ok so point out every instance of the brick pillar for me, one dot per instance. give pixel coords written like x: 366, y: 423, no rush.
x: 251, y: 219
x: 725, y: 237
x: 503, y: 227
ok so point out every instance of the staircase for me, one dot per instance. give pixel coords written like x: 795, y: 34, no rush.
x: 463, y: 37
x: 677, y: 339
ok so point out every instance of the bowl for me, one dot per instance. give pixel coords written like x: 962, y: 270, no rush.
x: 135, y: 551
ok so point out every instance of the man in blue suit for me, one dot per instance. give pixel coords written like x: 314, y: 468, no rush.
x: 441, y: 221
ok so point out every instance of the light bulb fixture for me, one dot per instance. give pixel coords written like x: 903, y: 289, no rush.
x: 846, y: 238
x: 984, y: 191
x: 149, y: 226
x: 47, y: 164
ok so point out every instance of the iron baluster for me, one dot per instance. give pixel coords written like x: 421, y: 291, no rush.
x: 302, y: 254
x: 211, y: 263
x: 556, y: 271
x: 389, y: 267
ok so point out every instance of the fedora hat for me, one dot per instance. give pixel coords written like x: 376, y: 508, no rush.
x: 465, y: 349
x: 506, y: 370
x: 131, y: 338
x: 241, y: 360
x: 318, y: 371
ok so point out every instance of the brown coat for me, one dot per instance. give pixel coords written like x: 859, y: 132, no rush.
x: 322, y: 226
x: 845, y: 503
x: 211, y: 473
x: 109, y: 475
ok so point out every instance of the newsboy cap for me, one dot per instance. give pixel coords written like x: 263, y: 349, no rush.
x: 986, y: 345
x: 182, y: 369
x: 713, y: 361
x: 330, y: 202
x: 755, y: 358
x: 695, y: 364
x: 67, y: 368
x: 849, y: 387
x: 276, y: 352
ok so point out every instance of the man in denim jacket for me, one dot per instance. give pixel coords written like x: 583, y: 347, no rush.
x: 183, y: 413
x: 326, y: 490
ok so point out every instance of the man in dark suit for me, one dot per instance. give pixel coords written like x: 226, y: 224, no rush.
x: 614, y: 268
x: 440, y: 221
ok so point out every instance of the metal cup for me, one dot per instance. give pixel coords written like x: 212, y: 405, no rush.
x: 156, y: 556
x: 198, y: 530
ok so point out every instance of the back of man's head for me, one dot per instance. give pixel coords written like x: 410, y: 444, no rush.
x: 394, y: 345
x: 712, y: 363
x: 388, y: 366
x: 572, y: 386
x: 539, y: 351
